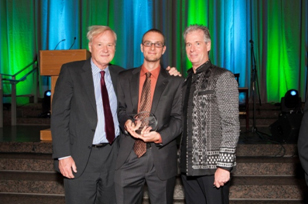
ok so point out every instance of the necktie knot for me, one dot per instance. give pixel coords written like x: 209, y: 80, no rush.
x: 102, y: 74
x: 148, y: 74
x: 102, y: 77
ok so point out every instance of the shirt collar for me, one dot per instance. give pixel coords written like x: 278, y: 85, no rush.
x: 201, y: 68
x: 154, y: 72
x: 96, y: 70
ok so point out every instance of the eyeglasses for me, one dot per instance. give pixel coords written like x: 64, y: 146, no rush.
x: 156, y: 44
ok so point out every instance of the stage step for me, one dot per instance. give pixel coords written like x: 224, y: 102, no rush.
x: 246, y: 166
x: 243, y: 150
x: 31, y: 182
x: 275, y: 189
x: 21, y: 198
x: 260, y: 122
x: 268, y: 166
x: 29, y: 114
x: 26, y: 162
x: 265, y: 114
x: 265, y: 173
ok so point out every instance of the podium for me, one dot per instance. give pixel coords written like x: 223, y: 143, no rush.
x: 50, y: 65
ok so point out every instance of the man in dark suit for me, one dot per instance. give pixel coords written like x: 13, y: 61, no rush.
x: 158, y: 165
x: 84, y: 122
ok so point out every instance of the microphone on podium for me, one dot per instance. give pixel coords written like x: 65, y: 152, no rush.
x: 59, y: 43
x: 73, y: 43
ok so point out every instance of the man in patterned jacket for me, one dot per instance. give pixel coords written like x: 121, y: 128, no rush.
x: 211, y: 123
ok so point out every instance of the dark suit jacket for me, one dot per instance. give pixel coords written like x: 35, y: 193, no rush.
x: 303, y: 142
x: 166, y: 106
x: 74, y: 115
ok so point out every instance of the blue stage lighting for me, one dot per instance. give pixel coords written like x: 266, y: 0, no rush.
x: 293, y: 92
x: 48, y: 93
x: 291, y: 101
x: 46, y: 104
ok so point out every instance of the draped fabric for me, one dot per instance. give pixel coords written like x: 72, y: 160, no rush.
x: 277, y: 28
x: 18, y: 41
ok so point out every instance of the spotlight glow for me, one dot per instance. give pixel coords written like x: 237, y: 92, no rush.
x: 293, y: 93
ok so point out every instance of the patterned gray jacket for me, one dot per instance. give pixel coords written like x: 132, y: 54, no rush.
x: 211, y: 121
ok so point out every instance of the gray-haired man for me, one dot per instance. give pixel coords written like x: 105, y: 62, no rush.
x: 210, y: 123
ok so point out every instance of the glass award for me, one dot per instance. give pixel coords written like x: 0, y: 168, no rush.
x: 146, y: 119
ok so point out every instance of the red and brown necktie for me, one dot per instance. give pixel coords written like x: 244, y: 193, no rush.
x: 145, y: 106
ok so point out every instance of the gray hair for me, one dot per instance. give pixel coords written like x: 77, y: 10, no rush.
x: 196, y: 27
x: 96, y: 30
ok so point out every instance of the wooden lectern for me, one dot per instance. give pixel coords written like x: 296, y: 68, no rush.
x: 50, y: 65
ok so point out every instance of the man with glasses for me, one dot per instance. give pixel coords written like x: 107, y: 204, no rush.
x: 150, y: 155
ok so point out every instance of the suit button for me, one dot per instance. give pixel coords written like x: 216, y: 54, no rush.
x: 93, y: 130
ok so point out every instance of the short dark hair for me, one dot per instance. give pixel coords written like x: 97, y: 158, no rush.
x: 153, y: 30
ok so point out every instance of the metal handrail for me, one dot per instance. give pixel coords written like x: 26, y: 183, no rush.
x: 35, y: 60
x: 22, y: 78
x: 13, y: 81
x: 25, y: 76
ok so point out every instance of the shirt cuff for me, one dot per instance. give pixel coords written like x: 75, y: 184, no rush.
x: 63, y: 157
x: 160, y: 141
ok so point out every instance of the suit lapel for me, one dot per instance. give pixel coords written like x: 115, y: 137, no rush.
x: 114, y: 77
x: 134, y: 89
x: 161, y: 84
x: 87, y: 79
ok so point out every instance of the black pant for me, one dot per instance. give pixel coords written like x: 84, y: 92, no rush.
x: 131, y: 177
x: 96, y: 184
x: 200, y: 190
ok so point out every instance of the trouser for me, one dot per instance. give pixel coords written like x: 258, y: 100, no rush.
x: 201, y: 190
x: 96, y: 184
x: 131, y: 177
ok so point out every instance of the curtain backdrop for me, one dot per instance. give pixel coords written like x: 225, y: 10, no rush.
x: 277, y: 28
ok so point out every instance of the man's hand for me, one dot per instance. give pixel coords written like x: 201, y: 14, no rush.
x: 131, y: 127
x: 66, y: 166
x: 173, y: 71
x: 221, y: 177
x: 151, y: 137
x: 146, y: 135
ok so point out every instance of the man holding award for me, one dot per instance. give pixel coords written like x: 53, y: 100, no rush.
x: 149, y: 111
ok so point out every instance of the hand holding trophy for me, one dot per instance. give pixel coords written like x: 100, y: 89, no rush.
x: 145, y: 122
x: 143, y: 127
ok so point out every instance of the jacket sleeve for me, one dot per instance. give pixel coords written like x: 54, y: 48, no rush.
x: 61, y: 114
x: 228, y: 107
x: 122, y: 114
x: 174, y: 127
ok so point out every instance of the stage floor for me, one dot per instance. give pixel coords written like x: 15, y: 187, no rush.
x: 30, y: 133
